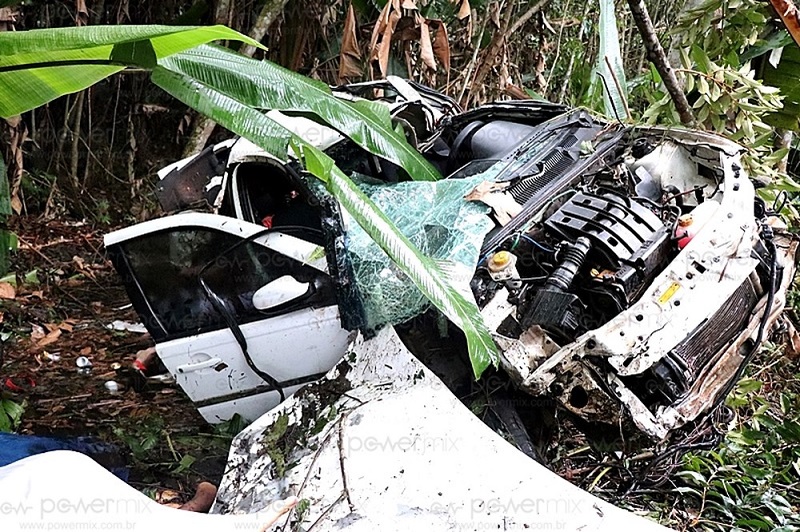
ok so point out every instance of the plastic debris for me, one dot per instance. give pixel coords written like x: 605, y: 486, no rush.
x: 84, y: 365
x: 119, y: 325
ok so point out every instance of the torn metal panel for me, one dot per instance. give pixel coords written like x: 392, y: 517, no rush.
x: 382, y: 444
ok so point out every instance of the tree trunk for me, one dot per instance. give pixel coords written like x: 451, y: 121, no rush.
x: 202, y: 126
x: 783, y: 139
x: 658, y: 57
x: 266, y: 17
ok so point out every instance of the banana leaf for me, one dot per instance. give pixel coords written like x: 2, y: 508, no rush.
x: 265, y: 85
x: 38, y: 66
x: 609, y: 72
x: 426, y: 274
x: 784, y: 76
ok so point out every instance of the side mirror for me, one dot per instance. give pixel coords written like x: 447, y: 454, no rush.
x: 279, y: 292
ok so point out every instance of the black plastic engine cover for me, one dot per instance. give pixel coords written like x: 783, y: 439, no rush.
x: 557, y: 312
x: 618, y: 227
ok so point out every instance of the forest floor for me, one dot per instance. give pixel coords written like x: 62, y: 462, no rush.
x: 67, y: 294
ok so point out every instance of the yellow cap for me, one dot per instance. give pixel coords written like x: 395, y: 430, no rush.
x: 499, y: 260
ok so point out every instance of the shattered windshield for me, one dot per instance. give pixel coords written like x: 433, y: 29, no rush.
x: 438, y: 220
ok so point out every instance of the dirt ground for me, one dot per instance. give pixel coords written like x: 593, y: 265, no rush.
x: 66, y: 295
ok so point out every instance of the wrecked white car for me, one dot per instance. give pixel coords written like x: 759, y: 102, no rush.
x: 629, y: 273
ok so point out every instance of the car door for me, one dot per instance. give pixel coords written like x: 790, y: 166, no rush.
x: 242, y: 316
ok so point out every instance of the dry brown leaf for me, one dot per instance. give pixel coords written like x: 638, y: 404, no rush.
x: 386, y: 42
x: 792, y: 349
x: 484, y: 188
x: 464, y: 9
x: 37, y: 332
x: 516, y: 92
x: 49, y: 339
x: 64, y: 326
x: 85, y: 351
x: 81, y: 13
x: 7, y: 291
x: 350, y: 56
x: 441, y: 44
x: 375, y: 40
x: 167, y: 496
x: 425, y: 44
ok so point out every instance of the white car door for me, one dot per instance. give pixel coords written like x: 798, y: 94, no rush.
x: 241, y: 316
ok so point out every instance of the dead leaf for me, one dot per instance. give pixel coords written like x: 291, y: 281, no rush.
x: 441, y: 44
x: 464, y: 9
x: 85, y: 351
x: 516, y: 92
x: 792, y: 349
x: 166, y: 497
x: 350, y: 56
x: 37, y: 332
x: 49, y: 339
x: 7, y: 291
x: 484, y: 188
x: 385, y: 45
x: 425, y: 44
x: 64, y: 326
x: 81, y: 13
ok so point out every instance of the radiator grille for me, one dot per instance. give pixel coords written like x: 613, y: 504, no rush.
x: 718, y: 330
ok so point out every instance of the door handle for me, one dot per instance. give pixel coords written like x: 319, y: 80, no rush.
x: 197, y: 366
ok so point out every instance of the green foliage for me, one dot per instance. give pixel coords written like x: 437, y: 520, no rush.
x: 38, y: 66
x: 749, y: 481
x: 726, y: 94
x: 10, y: 414
x: 609, y: 76
x: 141, y: 438
x: 265, y: 85
x: 785, y: 77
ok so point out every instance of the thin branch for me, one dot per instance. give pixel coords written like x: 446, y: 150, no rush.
x: 527, y: 16
x: 658, y: 57
x: 341, y: 463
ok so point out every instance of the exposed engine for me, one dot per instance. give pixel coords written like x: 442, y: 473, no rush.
x: 582, y: 280
x: 596, y: 245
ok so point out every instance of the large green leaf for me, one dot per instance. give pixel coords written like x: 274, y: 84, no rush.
x: 265, y: 85
x: 38, y: 66
x: 609, y: 71
x: 426, y: 274
x: 785, y: 77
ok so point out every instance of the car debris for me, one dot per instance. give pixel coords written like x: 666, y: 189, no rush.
x: 380, y: 443
x: 630, y: 273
